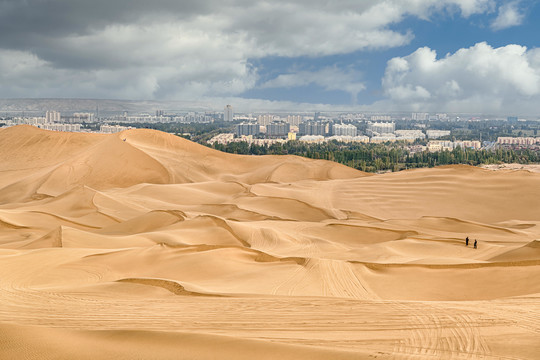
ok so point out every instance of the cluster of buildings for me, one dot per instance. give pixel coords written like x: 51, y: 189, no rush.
x: 227, y: 138
x: 442, y: 145
x: 60, y: 127
x: 320, y: 130
x: 76, y: 118
x: 51, y: 121
x: 80, y: 118
x: 277, y: 129
x: 54, y: 121
x: 266, y: 129
x: 346, y: 139
x: 160, y: 117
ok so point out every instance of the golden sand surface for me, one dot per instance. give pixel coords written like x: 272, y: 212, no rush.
x: 143, y: 245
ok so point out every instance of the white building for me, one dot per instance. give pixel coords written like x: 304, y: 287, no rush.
x: 52, y: 116
x: 361, y: 138
x: 467, y: 144
x: 440, y: 145
x: 295, y: 120
x: 61, y: 127
x: 517, y: 140
x: 312, y: 138
x: 30, y: 121
x: 383, y: 138
x: 409, y: 135
x: 380, y: 118
x: 228, y: 113
x: 435, y: 146
x: 420, y: 116
x: 435, y: 134
x: 344, y: 130
x: 380, y: 128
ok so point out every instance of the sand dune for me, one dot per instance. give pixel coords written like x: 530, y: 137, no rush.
x: 145, y: 245
x: 76, y: 344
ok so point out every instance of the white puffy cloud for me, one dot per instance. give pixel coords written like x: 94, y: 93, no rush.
x: 169, y: 49
x: 509, y: 15
x: 476, y: 79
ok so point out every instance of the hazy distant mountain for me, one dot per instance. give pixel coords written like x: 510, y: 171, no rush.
x: 90, y: 105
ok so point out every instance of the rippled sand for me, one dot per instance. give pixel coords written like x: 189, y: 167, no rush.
x: 145, y: 245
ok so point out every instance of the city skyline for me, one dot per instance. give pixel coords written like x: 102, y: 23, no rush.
x: 477, y: 56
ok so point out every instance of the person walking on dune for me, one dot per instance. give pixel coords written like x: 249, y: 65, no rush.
x: 467, y: 241
x: 475, y: 243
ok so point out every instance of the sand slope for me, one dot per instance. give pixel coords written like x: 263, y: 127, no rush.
x: 145, y: 244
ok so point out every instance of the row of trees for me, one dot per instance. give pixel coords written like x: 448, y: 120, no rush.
x: 381, y: 157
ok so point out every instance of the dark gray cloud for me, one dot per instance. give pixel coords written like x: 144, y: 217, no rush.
x: 62, y: 17
x: 39, y: 25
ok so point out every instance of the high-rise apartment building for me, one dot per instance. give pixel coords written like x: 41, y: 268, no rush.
x: 228, y: 113
x: 314, y: 128
x: 82, y: 117
x: 52, y: 116
x: 247, y: 129
x: 295, y: 120
x: 278, y: 128
x: 420, y: 116
x: 265, y: 119
x: 344, y: 130
x: 381, y: 128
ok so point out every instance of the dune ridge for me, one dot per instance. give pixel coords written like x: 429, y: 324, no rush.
x: 143, y: 236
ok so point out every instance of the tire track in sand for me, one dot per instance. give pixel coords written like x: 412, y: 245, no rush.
x: 518, y: 312
x: 336, y: 278
x: 340, y: 280
x: 440, y: 333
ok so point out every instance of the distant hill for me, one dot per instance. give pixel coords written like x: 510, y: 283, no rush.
x: 90, y: 105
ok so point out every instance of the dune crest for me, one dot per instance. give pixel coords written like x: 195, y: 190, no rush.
x: 144, y: 235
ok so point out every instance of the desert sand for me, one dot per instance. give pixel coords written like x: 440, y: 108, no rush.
x: 144, y: 245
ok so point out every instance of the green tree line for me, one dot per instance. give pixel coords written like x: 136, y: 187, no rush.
x: 383, y: 157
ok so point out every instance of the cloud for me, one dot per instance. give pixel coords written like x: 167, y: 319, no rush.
x: 169, y: 49
x: 329, y: 78
x: 476, y: 79
x: 509, y: 15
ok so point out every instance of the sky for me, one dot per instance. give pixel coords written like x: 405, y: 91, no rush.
x: 475, y: 56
